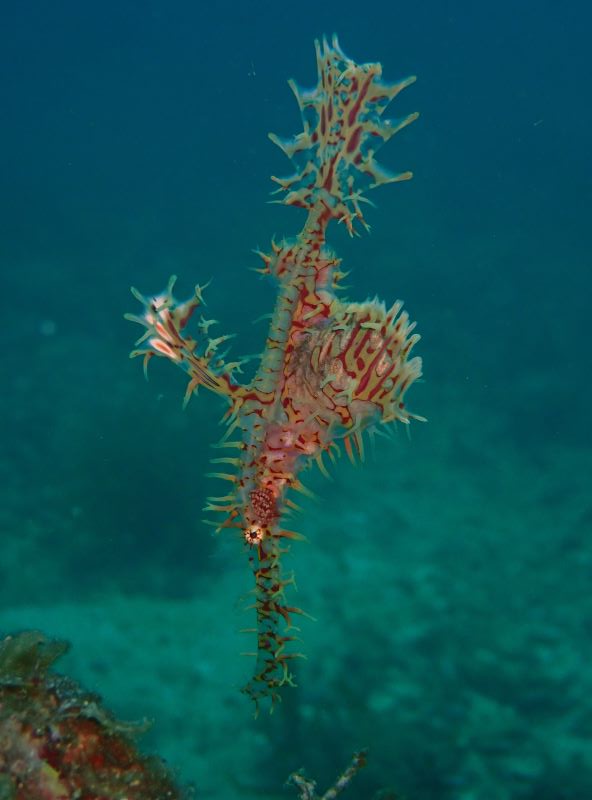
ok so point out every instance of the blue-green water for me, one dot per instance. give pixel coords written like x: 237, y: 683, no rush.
x: 450, y: 574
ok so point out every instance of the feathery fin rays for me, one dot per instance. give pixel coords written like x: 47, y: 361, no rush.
x: 343, y: 128
x: 331, y: 370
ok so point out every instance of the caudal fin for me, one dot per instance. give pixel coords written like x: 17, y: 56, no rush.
x: 343, y: 129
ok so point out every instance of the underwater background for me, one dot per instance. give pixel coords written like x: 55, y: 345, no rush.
x: 449, y: 575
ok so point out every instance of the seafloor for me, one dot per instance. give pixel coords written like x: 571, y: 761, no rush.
x: 449, y: 575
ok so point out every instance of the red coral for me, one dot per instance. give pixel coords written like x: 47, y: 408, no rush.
x: 57, y: 742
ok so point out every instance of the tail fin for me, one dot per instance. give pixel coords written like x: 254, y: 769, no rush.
x: 343, y: 128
